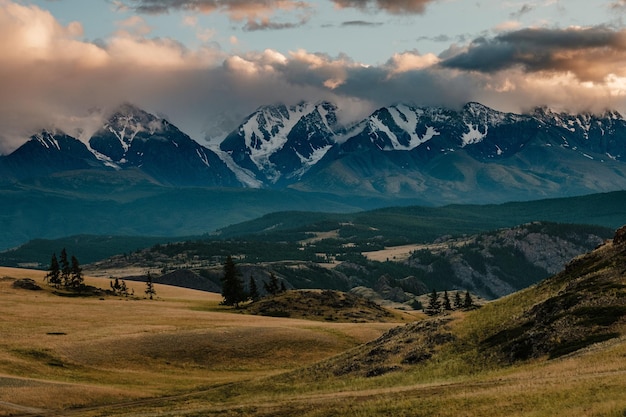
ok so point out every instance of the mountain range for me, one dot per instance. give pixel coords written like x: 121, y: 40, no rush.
x: 475, y: 154
x: 140, y: 174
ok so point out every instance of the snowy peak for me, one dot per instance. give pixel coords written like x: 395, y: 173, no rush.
x: 130, y: 121
x: 47, y: 140
x: 283, y: 141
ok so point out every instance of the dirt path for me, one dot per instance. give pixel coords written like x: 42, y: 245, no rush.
x: 22, y: 409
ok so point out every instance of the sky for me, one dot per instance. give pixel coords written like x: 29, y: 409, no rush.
x: 207, y: 64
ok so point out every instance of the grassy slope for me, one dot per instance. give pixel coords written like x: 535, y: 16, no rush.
x: 471, y: 367
x: 59, y: 352
x: 474, y: 367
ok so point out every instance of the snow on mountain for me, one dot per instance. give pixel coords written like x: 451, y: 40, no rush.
x: 278, y: 142
x: 267, y: 131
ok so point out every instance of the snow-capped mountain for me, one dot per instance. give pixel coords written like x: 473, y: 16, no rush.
x: 439, y: 155
x: 45, y: 153
x: 280, y: 143
x: 132, y: 137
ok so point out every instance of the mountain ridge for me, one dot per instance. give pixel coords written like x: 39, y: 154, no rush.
x: 399, y: 150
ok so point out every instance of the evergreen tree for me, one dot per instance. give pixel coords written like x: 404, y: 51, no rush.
x: 150, y: 291
x: 54, y: 272
x: 446, y: 301
x: 253, y: 290
x: 468, y: 302
x: 434, y: 305
x: 232, y: 287
x: 272, y: 287
x: 283, y: 288
x: 115, y: 286
x: 76, y: 274
x: 65, y: 268
x: 123, y: 289
x: 458, y: 303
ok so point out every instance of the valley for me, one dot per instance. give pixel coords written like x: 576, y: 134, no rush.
x: 554, y: 349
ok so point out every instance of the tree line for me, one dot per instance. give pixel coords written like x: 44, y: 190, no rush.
x: 435, y: 305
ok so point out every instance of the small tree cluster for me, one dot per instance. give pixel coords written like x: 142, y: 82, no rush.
x: 436, y: 306
x: 273, y: 287
x: 119, y: 287
x: 64, y: 272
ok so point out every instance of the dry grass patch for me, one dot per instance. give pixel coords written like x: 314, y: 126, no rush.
x: 111, y: 349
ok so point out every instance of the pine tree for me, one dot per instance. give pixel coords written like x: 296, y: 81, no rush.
x: 115, y: 286
x: 232, y: 287
x: 253, y: 290
x: 458, y: 303
x: 434, y: 305
x: 446, y: 301
x: 150, y: 291
x: 76, y: 274
x: 65, y: 268
x: 123, y: 289
x: 468, y: 302
x: 54, y: 272
x: 272, y: 287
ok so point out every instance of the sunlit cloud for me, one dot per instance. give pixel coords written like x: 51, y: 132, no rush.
x: 588, y: 53
x: 52, y: 77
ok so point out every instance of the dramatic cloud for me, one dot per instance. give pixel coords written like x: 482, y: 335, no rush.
x: 390, y: 6
x: 51, y: 77
x: 591, y: 54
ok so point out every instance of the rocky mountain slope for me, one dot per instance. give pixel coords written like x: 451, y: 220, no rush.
x: 583, y: 305
x: 489, y: 264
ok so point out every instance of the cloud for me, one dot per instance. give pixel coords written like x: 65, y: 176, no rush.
x: 525, y: 9
x: 591, y: 54
x: 389, y: 6
x: 618, y: 5
x: 51, y: 77
x: 257, y: 15
x: 360, y: 23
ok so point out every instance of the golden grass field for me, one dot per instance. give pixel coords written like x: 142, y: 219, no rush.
x: 59, y: 352
x: 184, y: 355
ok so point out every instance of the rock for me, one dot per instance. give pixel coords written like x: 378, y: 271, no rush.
x: 620, y: 236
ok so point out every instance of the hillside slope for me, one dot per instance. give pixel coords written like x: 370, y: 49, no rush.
x: 583, y: 305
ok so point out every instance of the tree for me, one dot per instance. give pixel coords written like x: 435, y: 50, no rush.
x: 253, y: 291
x: 272, y: 287
x: 76, y: 274
x: 150, y: 291
x: 446, y: 301
x: 54, y: 272
x: 468, y: 302
x: 283, y: 288
x: 232, y: 287
x: 458, y: 303
x: 65, y: 268
x: 434, y: 305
